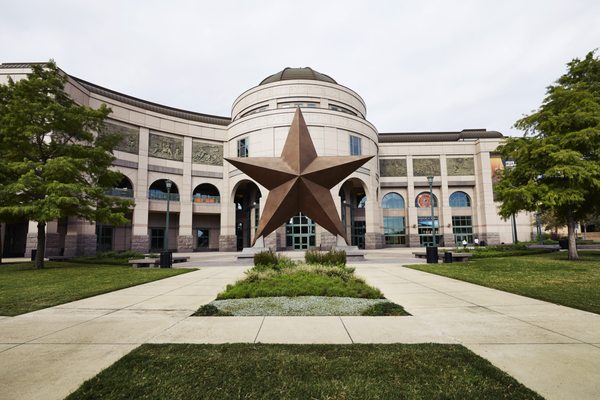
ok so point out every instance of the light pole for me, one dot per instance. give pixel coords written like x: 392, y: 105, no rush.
x: 431, y: 251
x: 430, y: 180
x: 165, y: 261
x: 168, y: 183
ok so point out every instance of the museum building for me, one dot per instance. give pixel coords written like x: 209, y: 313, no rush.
x: 173, y: 158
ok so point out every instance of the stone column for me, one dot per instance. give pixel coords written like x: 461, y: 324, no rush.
x: 185, y: 240
x: 140, y: 240
x: 444, y: 210
x: 412, y: 233
x: 53, y: 247
x: 31, y: 243
x: 227, y: 238
x: 81, y: 238
x: 488, y: 221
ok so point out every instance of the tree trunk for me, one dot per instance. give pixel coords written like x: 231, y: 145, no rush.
x: 572, y: 225
x: 41, y: 245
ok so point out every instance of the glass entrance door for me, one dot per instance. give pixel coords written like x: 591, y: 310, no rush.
x: 300, y: 232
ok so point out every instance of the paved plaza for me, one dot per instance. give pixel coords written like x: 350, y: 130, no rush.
x: 552, y: 349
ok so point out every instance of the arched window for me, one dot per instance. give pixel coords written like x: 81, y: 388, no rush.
x: 423, y: 200
x: 123, y: 189
x: 206, y: 193
x: 158, y: 191
x: 392, y: 200
x: 460, y: 199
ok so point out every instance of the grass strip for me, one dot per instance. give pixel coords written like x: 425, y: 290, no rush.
x: 303, y: 280
x: 550, y: 277
x: 261, y: 371
x: 24, y: 289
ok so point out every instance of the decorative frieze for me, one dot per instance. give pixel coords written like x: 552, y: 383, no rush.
x: 392, y: 167
x: 207, y: 153
x: 131, y: 137
x: 460, y: 166
x: 169, y: 148
x: 426, y: 167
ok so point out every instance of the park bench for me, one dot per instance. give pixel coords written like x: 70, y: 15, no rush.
x: 59, y: 258
x: 144, y: 262
x: 458, y: 257
x: 153, y: 262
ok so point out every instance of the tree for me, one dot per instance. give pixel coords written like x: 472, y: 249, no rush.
x: 557, y: 169
x: 54, y: 163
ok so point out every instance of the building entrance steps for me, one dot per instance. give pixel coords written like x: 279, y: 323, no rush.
x: 554, y: 350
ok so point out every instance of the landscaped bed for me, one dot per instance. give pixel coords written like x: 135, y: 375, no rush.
x: 279, y: 286
x: 24, y: 289
x: 550, y: 277
x: 260, y: 371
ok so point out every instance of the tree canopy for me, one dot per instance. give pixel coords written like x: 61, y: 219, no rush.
x: 55, y: 164
x: 557, y: 160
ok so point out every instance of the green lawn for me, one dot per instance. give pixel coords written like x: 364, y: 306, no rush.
x: 259, y: 371
x: 549, y: 277
x: 24, y: 289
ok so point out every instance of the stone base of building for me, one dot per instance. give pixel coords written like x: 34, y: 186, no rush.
x: 490, y: 238
x: 328, y: 240
x: 373, y: 240
x: 30, y: 243
x: 448, y: 240
x: 53, y: 245
x: 272, y: 241
x: 227, y: 243
x: 185, y: 243
x: 414, y: 241
x: 79, y: 245
x: 140, y: 243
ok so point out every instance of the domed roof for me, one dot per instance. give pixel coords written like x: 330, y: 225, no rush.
x: 297, y: 73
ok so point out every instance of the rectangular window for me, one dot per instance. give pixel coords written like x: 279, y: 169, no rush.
x: 242, y: 148
x: 157, y: 239
x: 394, y: 230
x: 355, y: 146
x: 202, y: 238
x: 462, y: 228
x: 425, y: 231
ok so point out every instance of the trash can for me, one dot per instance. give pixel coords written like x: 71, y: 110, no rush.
x: 33, y: 254
x: 447, y: 257
x: 563, y: 243
x: 166, y: 259
x: 432, y: 255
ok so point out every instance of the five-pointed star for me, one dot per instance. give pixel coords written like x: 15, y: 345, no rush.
x: 299, y: 181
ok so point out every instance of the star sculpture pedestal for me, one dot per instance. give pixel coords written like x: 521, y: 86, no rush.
x: 299, y: 181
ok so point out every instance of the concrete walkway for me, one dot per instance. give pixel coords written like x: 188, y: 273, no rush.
x: 554, y: 350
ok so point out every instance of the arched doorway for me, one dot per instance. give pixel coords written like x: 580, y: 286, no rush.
x: 246, y: 199
x: 300, y: 233
x: 353, y: 199
x: 159, y: 191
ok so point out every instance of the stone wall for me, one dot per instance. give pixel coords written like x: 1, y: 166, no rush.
x: 272, y: 241
x: 328, y: 240
x: 373, y: 240
x: 227, y: 243
x: 140, y: 243
x: 185, y: 243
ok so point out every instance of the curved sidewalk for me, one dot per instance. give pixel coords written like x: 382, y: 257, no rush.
x: 554, y: 350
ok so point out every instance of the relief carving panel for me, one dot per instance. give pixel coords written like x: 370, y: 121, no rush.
x: 460, y: 166
x: 165, y: 147
x: 131, y: 137
x: 392, y: 167
x: 426, y: 167
x: 207, y: 153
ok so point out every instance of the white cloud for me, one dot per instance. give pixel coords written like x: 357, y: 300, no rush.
x: 432, y: 65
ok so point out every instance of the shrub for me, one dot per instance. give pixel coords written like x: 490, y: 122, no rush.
x: 331, y: 257
x: 266, y: 260
x: 209, y: 310
x: 385, y: 309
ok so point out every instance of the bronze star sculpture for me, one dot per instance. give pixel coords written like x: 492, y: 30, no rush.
x: 299, y: 181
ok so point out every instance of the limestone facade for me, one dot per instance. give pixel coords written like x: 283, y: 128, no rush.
x: 213, y: 206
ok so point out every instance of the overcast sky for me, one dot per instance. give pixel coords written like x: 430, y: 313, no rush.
x: 419, y: 65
